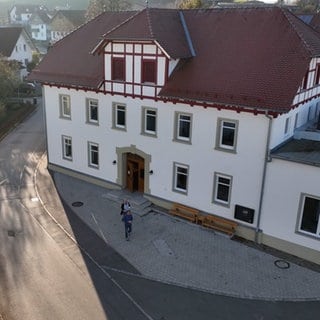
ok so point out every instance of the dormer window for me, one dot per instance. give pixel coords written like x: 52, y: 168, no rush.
x: 305, y: 81
x: 149, y: 71
x: 317, y: 75
x: 118, y: 69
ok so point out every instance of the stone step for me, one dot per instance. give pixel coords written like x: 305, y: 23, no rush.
x: 140, y: 205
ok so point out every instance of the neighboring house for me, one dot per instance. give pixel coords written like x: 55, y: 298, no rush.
x: 21, y: 13
x: 40, y: 26
x: 64, y: 22
x: 16, y: 44
x: 195, y: 107
x: 311, y: 19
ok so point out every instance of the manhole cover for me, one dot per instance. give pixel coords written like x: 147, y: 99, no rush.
x: 11, y: 233
x: 77, y: 204
x: 282, y: 264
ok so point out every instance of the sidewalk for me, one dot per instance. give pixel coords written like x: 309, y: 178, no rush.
x: 173, y: 251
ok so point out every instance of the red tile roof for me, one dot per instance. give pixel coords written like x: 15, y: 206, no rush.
x: 250, y: 57
x: 245, y: 57
x: 161, y: 25
x: 69, y: 62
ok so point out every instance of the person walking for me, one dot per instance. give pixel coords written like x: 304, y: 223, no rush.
x: 127, y: 220
x: 125, y: 206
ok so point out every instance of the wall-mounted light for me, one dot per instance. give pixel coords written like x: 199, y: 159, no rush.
x: 151, y: 171
x: 114, y: 161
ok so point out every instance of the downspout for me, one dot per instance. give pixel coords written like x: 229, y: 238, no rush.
x: 266, y: 160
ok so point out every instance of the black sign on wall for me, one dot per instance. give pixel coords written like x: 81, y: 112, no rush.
x: 244, y: 214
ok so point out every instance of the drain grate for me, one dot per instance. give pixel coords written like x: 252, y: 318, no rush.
x: 77, y: 204
x: 282, y: 264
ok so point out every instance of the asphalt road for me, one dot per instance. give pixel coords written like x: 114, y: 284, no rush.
x: 44, y: 275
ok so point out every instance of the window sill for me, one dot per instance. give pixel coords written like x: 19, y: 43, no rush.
x: 151, y: 135
x: 182, y: 141
x: 222, y: 204
x: 180, y: 191
x: 119, y: 128
x: 218, y: 148
x: 93, y: 123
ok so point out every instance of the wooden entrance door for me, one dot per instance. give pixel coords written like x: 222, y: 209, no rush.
x: 135, y: 173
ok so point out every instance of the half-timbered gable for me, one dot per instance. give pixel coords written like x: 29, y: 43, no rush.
x: 141, y: 53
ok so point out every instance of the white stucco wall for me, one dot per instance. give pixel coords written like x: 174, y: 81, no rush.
x: 245, y: 166
x: 285, y: 183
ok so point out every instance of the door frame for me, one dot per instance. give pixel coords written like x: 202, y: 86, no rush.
x: 122, y: 166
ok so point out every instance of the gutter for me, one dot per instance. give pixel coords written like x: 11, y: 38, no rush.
x: 264, y: 173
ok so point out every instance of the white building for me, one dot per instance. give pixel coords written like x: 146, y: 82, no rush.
x: 16, y: 44
x: 185, y: 106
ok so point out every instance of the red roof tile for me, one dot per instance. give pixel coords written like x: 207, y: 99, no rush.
x: 250, y: 57
x: 161, y: 25
x: 245, y: 57
x: 69, y: 61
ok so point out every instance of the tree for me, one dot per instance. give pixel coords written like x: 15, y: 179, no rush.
x: 308, y: 6
x: 96, y: 7
x: 190, y: 4
x: 9, y: 79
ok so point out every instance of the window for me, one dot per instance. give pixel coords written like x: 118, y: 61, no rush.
x: 24, y: 47
x: 149, y: 120
x: 149, y: 71
x: 183, y: 127
x: 92, y: 111
x: 296, y: 120
x: 66, y: 148
x: 227, y: 134
x: 286, y: 126
x: 118, y: 69
x: 310, y: 213
x: 180, y: 174
x: 65, y: 107
x: 305, y: 81
x: 222, y: 189
x: 317, y: 75
x: 119, y: 116
x: 93, y: 152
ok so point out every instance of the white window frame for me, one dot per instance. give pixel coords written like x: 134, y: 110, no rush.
x: 148, y: 113
x: 91, y: 147
x: 92, y: 103
x: 181, y: 117
x: 65, y: 106
x: 216, y: 187
x: 223, y: 124
x: 176, y: 172
x: 66, y: 143
x: 300, y: 216
x: 119, y: 107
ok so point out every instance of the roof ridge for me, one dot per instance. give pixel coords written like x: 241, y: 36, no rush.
x: 123, y: 22
x: 289, y: 16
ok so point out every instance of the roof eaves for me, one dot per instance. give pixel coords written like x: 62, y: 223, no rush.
x: 257, y: 109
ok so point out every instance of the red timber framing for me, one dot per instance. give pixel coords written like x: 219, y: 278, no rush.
x: 148, y: 71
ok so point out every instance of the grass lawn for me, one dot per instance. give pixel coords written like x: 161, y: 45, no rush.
x: 12, y: 115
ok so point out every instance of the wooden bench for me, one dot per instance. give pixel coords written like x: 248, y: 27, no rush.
x: 218, y: 223
x: 185, y: 212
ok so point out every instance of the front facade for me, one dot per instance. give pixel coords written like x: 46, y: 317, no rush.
x: 161, y: 119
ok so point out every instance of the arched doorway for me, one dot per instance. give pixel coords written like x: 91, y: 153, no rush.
x: 135, y: 173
